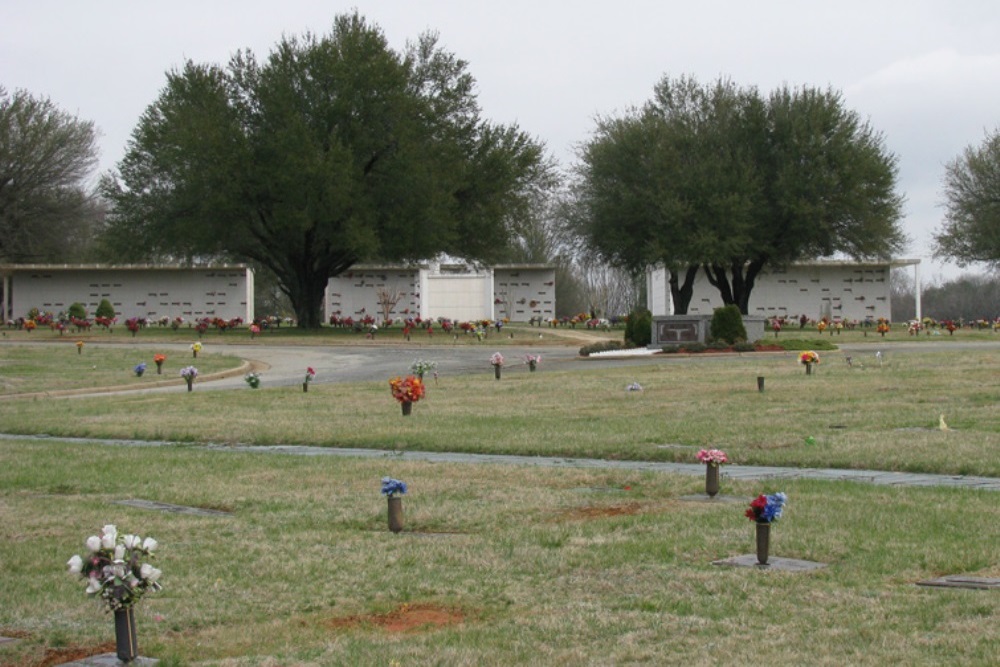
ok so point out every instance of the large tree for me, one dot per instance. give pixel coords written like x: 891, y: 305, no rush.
x: 971, y: 230
x: 722, y: 179
x: 334, y: 150
x: 47, y: 212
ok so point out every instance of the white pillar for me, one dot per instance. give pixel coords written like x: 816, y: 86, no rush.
x: 917, y: 290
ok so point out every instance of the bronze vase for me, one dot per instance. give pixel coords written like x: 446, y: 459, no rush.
x: 126, y: 647
x: 711, y: 480
x: 763, y: 541
x: 395, y: 513
x: 407, y: 408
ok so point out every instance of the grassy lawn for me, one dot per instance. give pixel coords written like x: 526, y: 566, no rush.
x: 60, y: 367
x: 873, y: 414
x: 504, y: 565
x: 497, y: 565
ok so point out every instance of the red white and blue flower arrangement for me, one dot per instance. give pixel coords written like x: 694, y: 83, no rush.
x: 767, y: 508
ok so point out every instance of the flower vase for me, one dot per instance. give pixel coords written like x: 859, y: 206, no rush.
x: 760, y: 383
x: 125, y: 642
x: 305, y: 387
x: 407, y: 409
x: 396, y: 512
x: 190, y: 383
x: 496, y: 371
x: 809, y: 369
x: 194, y: 353
x: 532, y: 365
x: 763, y: 541
x: 159, y: 368
x: 139, y: 373
x: 711, y: 479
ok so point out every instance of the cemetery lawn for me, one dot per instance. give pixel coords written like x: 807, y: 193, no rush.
x: 44, y: 369
x: 497, y: 565
x: 881, y: 415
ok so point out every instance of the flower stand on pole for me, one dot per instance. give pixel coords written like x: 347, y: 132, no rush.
x: 497, y: 360
x: 189, y: 373
x: 765, y: 510
x: 713, y: 460
x: 407, y: 391
x: 808, y: 358
x: 115, y: 572
x: 393, y: 489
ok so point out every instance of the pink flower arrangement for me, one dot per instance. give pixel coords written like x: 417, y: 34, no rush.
x: 713, y: 456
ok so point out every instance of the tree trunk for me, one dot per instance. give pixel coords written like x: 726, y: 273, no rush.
x: 681, y: 294
x: 735, y: 290
x: 307, y: 300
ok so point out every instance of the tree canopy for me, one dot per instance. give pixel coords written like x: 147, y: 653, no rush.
x: 971, y: 230
x: 336, y: 149
x: 722, y: 179
x: 46, y: 156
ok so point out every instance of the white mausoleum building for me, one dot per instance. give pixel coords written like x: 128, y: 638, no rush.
x: 152, y: 292
x: 453, y: 290
x: 843, y: 290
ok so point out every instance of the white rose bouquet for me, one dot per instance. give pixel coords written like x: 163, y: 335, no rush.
x: 114, y: 567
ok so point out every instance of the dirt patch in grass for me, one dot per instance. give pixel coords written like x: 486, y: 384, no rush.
x: 59, y: 656
x: 406, y: 618
x: 584, y: 513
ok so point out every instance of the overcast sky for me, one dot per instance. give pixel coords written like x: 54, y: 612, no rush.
x: 925, y: 74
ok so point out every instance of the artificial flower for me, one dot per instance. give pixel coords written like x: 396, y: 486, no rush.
x: 712, y: 456
x: 766, y: 508
x: 75, y: 565
x: 392, y: 486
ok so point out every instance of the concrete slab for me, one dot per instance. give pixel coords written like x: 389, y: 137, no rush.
x: 773, y: 563
x: 717, y: 500
x: 111, y: 660
x: 961, y: 581
x: 174, y: 509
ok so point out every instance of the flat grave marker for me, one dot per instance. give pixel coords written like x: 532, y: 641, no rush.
x: 174, y: 509
x: 773, y: 563
x: 962, y: 581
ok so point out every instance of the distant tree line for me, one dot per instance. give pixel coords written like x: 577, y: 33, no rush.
x: 969, y: 297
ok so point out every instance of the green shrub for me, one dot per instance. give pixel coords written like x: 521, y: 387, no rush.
x: 670, y: 349
x: 639, y: 328
x: 77, y: 310
x: 694, y: 347
x: 727, y: 325
x: 105, y: 309
x: 744, y: 346
x: 719, y: 345
x: 603, y: 346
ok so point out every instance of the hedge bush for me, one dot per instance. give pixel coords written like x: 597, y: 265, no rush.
x: 727, y: 325
x: 639, y: 328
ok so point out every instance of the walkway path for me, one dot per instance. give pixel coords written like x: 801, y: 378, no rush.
x: 734, y: 472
